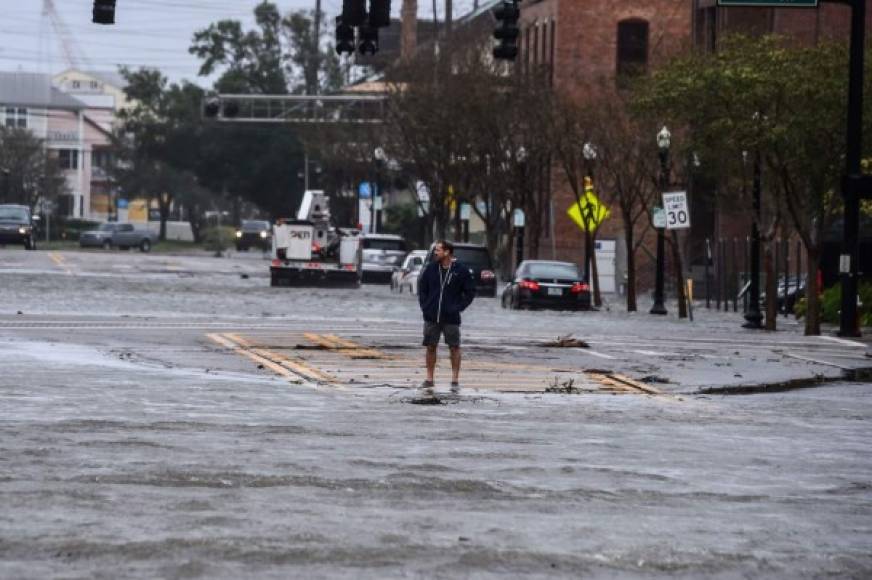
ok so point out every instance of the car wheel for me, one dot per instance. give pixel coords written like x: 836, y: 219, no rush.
x: 145, y: 246
x: 107, y: 245
x: 273, y: 279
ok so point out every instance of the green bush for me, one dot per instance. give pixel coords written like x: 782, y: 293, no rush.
x: 218, y: 239
x: 72, y: 228
x: 831, y: 304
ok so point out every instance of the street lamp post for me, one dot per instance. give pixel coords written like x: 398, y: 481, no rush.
x: 380, y: 158
x: 589, y: 153
x: 664, y: 138
x: 753, y: 316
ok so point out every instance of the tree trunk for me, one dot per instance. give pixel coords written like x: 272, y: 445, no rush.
x: 771, y: 286
x: 812, y: 293
x: 631, y: 266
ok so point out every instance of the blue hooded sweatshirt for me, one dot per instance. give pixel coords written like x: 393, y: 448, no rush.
x: 444, y: 294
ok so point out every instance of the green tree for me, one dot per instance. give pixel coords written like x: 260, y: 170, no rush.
x: 28, y: 172
x: 786, y: 102
x: 158, y: 140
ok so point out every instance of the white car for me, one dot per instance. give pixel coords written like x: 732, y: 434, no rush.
x: 406, y: 276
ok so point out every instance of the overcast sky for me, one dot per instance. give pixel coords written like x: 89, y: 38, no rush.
x: 153, y: 33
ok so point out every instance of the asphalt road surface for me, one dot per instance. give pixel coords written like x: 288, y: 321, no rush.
x: 174, y: 417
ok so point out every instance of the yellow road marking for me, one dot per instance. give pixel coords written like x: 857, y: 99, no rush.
x: 278, y: 369
x: 276, y: 362
x: 346, y: 347
x: 59, y: 262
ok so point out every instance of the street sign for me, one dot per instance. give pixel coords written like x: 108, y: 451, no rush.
x: 121, y: 203
x: 770, y: 3
x: 658, y: 217
x: 364, y: 190
x: 677, y: 214
x: 378, y: 203
x: 588, y: 212
x: 465, y: 211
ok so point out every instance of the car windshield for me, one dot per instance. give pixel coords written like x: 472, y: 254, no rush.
x: 18, y: 214
x: 390, y: 245
x: 476, y: 258
x: 106, y: 227
x: 255, y: 225
x: 552, y: 271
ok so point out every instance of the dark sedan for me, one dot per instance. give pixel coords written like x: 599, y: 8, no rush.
x: 547, y: 284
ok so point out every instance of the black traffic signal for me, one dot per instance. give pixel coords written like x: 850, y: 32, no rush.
x: 507, y: 32
x: 354, y: 12
x: 379, y: 13
x: 368, y: 40
x: 211, y: 108
x: 104, y: 12
x: 344, y: 37
x: 215, y: 107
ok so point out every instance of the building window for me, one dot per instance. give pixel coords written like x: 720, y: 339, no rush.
x: 101, y: 158
x: 16, y: 117
x: 632, y: 48
x: 68, y: 158
x: 95, y: 85
x: 77, y: 85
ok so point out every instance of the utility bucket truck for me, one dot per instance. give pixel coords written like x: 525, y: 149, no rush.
x: 309, y: 251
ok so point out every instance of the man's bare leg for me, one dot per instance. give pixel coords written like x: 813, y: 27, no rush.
x: 455, y: 364
x: 431, y: 362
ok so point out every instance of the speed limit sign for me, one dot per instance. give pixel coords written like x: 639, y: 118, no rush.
x: 677, y: 213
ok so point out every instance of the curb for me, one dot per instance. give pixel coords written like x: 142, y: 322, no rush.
x: 863, y: 374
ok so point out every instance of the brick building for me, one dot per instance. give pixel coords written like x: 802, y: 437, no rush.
x: 586, y: 43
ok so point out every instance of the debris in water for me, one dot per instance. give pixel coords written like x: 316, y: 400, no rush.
x: 567, y: 341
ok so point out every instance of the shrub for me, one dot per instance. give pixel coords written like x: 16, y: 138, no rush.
x: 831, y: 304
x: 218, y: 239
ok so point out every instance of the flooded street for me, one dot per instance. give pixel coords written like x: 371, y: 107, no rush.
x: 132, y: 445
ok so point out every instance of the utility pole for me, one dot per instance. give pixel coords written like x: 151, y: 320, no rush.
x: 854, y: 185
x: 316, y: 48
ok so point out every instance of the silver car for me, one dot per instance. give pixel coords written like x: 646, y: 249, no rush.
x: 406, y: 276
x: 382, y: 254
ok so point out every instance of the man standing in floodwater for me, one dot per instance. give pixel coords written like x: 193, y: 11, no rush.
x: 445, y: 289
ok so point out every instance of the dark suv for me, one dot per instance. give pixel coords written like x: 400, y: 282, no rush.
x: 478, y: 260
x: 256, y: 233
x: 16, y: 226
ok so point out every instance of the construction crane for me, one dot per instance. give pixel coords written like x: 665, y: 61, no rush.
x: 73, y: 54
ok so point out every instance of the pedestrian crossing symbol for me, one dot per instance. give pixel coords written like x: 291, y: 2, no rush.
x: 588, y: 212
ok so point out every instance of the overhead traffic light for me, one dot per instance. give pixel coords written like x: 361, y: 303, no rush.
x: 214, y: 107
x: 104, y: 12
x: 354, y: 12
x: 354, y: 15
x: 368, y: 40
x: 344, y: 36
x: 379, y: 13
x: 507, y: 32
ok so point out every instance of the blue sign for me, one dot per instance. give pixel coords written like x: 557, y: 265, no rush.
x: 364, y: 191
x: 121, y: 203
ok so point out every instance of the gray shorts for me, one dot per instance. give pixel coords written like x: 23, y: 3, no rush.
x: 432, y: 330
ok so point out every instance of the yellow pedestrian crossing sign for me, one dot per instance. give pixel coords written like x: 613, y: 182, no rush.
x: 589, y: 212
